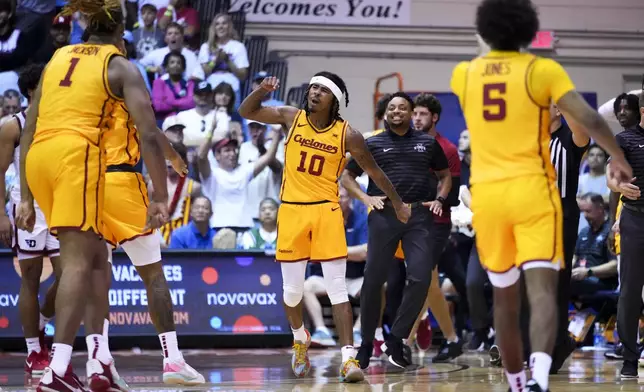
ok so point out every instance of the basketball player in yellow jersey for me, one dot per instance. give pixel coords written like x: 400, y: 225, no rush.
x: 65, y: 169
x: 124, y: 214
x: 310, y: 223
x: 505, y: 96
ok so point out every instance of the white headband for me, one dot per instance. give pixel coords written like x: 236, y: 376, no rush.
x: 326, y: 82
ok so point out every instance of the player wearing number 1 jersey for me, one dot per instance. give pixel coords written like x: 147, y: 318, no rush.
x: 62, y: 166
x: 310, y: 223
x: 506, y: 96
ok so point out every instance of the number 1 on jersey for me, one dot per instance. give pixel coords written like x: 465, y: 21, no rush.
x: 316, y: 160
x: 498, y: 101
x: 68, y: 77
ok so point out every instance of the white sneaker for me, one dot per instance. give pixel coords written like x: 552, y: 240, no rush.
x: 180, y: 373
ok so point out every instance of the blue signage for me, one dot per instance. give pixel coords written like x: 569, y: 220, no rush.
x: 212, y: 293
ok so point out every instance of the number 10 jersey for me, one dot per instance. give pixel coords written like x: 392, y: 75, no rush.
x: 314, y: 159
x: 505, y: 98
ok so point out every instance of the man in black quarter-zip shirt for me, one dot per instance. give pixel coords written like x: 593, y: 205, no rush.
x: 407, y: 157
x: 631, y: 227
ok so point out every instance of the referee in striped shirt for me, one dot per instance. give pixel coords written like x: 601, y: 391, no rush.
x: 407, y: 157
x: 566, y: 151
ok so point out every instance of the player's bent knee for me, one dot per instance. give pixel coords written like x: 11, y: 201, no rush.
x: 504, y: 279
x: 335, y: 281
x: 293, y: 295
x: 337, y: 291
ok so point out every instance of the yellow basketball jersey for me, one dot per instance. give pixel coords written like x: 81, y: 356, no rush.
x: 314, y: 159
x: 122, y: 142
x: 506, y: 97
x: 76, y: 97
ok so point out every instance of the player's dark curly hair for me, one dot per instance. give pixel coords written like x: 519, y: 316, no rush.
x: 507, y: 24
x: 335, y: 110
x: 430, y: 102
x: 104, y: 17
x: 29, y: 79
x: 381, y: 106
x: 404, y: 96
x: 632, y: 103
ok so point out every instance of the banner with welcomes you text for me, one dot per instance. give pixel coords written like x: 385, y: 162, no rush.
x: 339, y: 12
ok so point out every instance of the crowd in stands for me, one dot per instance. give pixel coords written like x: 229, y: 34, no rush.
x: 195, y: 89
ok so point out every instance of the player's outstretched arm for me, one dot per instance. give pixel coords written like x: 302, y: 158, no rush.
x: 252, y: 109
x: 358, y: 148
x: 582, y: 118
x: 128, y: 80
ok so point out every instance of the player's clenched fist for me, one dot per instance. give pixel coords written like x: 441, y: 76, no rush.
x: 270, y: 84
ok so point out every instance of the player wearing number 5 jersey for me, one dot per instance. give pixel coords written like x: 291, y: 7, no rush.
x: 506, y: 96
x: 62, y: 166
x: 310, y: 223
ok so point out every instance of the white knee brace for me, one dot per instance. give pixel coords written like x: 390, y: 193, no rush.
x: 335, y: 281
x: 293, y: 275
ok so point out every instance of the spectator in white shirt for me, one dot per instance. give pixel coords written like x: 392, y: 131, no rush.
x: 223, y: 58
x: 153, y: 61
x: 595, y: 180
x: 227, y: 184
x: 200, y: 120
x: 267, y: 183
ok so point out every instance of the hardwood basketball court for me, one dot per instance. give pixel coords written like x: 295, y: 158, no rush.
x: 269, y: 370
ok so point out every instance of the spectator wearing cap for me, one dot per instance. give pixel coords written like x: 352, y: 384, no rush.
x: 147, y: 36
x: 197, y: 234
x: 59, y: 35
x: 227, y: 183
x: 267, y: 183
x: 130, y: 49
x: 223, y: 57
x: 172, y: 93
x: 268, y: 99
x: 174, y: 133
x: 178, y: 11
x: 201, y: 119
x: 153, y: 61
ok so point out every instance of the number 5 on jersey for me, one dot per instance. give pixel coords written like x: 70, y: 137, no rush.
x: 494, y: 103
